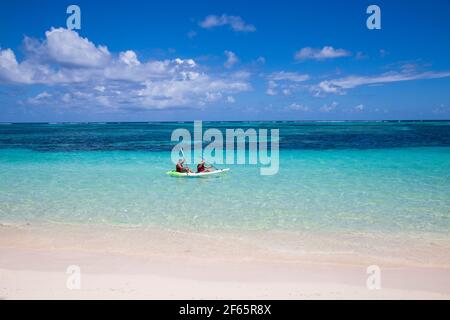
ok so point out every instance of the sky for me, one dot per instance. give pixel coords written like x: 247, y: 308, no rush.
x: 224, y: 60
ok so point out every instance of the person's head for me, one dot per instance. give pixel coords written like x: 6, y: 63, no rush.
x: 180, y: 161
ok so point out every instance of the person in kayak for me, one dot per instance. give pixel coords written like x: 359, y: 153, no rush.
x: 202, y: 168
x: 180, y: 168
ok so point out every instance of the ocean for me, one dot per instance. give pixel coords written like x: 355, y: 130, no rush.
x: 334, y: 177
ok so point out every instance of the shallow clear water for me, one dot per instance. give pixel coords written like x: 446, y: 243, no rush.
x: 354, y: 177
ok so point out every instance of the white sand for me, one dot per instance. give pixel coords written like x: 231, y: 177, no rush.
x: 127, y: 263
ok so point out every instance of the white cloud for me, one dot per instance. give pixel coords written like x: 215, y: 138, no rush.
x: 25, y: 72
x: 286, y: 92
x: 359, y: 107
x: 232, y: 59
x: 289, y: 76
x: 241, y: 74
x: 328, y: 87
x: 324, y: 87
x: 162, y: 94
x: 297, y: 107
x: 100, y: 88
x: 230, y: 99
x: 271, y: 88
x: 188, y: 62
x: 284, y: 81
x: 7, y: 59
x: 236, y: 23
x: 339, y: 85
x: 66, y: 46
x: 39, y: 98
x: 129, y: 58
x: 329, y: 107
x: 43, y: 95
x: 326, y: 52
x: 98, y: 77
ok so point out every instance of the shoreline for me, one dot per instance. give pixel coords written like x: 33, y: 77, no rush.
x: 129, y: 263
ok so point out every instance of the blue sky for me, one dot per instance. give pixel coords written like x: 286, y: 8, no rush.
x: 228, y: 60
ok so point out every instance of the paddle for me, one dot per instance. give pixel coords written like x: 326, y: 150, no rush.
x: 182, y: 153
x: 207, y: 163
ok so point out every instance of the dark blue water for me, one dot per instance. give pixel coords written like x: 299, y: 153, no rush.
x: 293, y: 135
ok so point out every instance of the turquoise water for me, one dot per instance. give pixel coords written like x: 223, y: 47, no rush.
x: 346, y: 177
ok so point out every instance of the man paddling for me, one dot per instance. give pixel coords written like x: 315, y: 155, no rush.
x: 202, y: 168
x: 180, y: 168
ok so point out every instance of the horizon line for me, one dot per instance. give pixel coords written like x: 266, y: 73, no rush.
x: 187, y: 121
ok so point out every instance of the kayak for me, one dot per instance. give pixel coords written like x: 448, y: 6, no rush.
x: 173, y: 173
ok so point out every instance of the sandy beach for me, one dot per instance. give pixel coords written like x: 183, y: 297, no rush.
x: 132, y: 263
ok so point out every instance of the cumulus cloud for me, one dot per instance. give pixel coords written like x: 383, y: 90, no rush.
x: 129, y: 58
x: 236, y: 23
x: 232, y: 59
x: 11, y: 71
x: 67, y: 47
x: 326, y: 52
x: 98, y: 77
